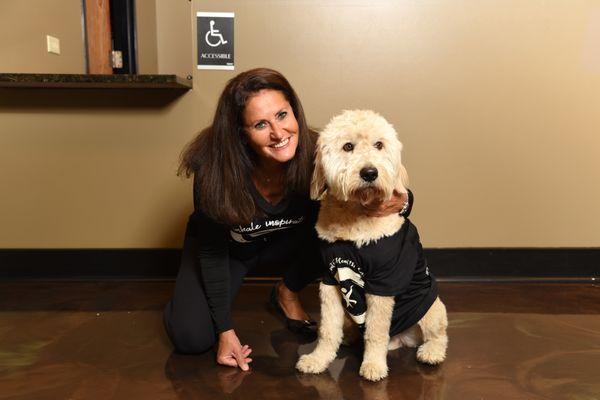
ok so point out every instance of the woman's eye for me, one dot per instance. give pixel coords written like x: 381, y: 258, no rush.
x: 378, y: 145
x: 260, y: 125
x: 282, y: 114
x: 348, y: 147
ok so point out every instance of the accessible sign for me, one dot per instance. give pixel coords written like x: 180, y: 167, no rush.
x: 215, y: 40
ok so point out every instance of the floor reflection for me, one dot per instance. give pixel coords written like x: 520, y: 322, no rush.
x: 197, y: 377
x: 58, y: 350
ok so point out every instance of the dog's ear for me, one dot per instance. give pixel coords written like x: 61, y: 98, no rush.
x: 318, y: 185
x: 402, y: 180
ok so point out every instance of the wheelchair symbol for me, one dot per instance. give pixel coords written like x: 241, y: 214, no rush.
x: 215, y: 34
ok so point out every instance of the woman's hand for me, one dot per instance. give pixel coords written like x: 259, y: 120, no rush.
x: 231, y: 352
x: 382, y: 209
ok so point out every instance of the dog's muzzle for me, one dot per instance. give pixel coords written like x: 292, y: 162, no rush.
x: 368, y: 174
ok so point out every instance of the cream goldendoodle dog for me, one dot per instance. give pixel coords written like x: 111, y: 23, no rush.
x: 377, y: 273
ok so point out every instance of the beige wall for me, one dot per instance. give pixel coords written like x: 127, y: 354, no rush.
x: 496, y: 102
x: 145, y: 24
x: 23, y: 29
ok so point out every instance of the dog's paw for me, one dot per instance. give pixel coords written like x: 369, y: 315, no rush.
x: 373, y: 371
x: 431, y: 352
x: 311, y: 364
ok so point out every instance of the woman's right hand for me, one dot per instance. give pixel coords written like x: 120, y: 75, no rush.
x: 231, y: 352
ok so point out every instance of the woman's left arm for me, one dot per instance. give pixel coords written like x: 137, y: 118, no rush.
x: 400, y: 203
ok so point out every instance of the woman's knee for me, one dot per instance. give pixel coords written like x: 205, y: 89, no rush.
x: 189, y: 336
x: 188, y: 344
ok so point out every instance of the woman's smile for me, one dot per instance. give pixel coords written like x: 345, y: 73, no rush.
x: 281, y: 144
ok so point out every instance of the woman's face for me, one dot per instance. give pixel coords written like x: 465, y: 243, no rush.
x: 271, y: 127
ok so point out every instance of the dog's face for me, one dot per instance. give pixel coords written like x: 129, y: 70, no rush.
x: 358, y: 159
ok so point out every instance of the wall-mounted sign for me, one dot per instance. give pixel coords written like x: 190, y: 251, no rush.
x: 215, y: 40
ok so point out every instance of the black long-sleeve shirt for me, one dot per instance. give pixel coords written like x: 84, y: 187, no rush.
x: 218, y: 242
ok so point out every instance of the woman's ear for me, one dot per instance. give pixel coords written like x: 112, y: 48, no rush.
x: 402, y: 180
x: 318, y: 185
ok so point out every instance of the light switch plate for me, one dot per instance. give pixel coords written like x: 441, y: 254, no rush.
x: 53, y: 44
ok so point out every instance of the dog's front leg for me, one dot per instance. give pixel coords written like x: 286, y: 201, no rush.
x: 331, y: 332
x: 377, y: 335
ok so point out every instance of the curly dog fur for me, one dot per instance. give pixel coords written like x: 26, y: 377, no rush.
x: 338, y: 185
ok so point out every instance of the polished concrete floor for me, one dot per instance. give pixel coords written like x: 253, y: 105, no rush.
x: 105, y: 340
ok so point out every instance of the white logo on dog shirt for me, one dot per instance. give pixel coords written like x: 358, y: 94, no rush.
x: 347, y: 294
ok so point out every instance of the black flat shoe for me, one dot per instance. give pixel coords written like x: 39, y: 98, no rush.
x: 303, y: 327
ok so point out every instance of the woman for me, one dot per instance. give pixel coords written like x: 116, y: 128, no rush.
x: 252, y: 169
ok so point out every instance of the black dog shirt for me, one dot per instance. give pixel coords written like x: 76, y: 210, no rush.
x: 392, y: 266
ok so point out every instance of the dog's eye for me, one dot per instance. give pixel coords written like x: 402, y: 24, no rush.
x: 348, y: 147
x: 379, y: 145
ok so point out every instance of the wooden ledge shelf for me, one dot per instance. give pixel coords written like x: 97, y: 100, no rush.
x: 88, y: 81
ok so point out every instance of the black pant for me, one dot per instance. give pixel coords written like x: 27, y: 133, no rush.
x: 187, y: 317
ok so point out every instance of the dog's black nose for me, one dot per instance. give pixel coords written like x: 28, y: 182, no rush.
x: 368, y: 174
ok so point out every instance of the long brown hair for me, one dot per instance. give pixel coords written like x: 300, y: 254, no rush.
x: 222, y: 162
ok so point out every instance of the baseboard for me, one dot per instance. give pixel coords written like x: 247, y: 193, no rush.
x: 455, y: 263
x: 88, y: 263
x: 515, y: 262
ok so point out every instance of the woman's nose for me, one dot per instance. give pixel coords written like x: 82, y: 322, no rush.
x: 277, y: 131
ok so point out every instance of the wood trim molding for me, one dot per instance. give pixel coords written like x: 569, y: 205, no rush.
x: 98, y: 34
